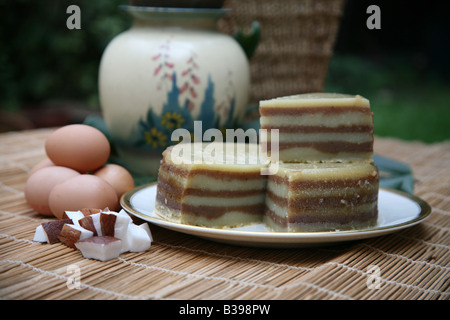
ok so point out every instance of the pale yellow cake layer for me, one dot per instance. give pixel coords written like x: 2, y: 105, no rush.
x: 223, y: 201
x: 322, y: 171
x: 311, y: 154
x: 215, y: 156
x: 317, y: 100
x: 320, y: 137
x: 231, y: 219
x: 317, y: 119
x: 217, y: 184
x: 318, y: 227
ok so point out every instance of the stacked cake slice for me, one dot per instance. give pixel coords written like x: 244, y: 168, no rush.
x: 326, y: 179
x: 305, y: 197
x: 225, y: 191
x: 317, y: 127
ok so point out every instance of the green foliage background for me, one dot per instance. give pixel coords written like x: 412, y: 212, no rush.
x: 42, y: 58
x: 407, y: 103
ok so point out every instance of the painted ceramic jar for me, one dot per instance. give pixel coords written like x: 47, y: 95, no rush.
x: 171, y: 68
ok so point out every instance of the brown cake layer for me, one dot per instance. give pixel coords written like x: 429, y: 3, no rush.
x: 326, y: 147
x: 311, y: 129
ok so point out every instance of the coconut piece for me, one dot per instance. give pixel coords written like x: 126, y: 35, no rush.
x: 124, y: 215
x: 137, y: 238
x: 71, y: 233
x: 115, y: 224
x: 123, y: 221
x: 74, y: 216
x: 146, y: 227
x: 101, y: 248
x: 40, y: 235
x: 53, y: 228
x: 96, y: 221
x: 88, y: 223
x: 107, y: 223
x: 89, y: 211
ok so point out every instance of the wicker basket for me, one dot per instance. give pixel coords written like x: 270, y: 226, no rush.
x: 297, y: 39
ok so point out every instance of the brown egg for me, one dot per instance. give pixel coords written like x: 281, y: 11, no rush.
x: 79, y: 147
x: 82, y: 191
x: 42, y: 164
x: 117, y: 176
x: 41, y: 183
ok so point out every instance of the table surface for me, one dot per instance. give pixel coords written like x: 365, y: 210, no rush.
x: 413, y: 263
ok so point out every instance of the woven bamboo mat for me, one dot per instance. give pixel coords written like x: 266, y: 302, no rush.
x: 412, y: 264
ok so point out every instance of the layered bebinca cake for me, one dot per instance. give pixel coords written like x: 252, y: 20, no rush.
x: 319, y: 127
x: 207, y: 191
x: 309, y: 197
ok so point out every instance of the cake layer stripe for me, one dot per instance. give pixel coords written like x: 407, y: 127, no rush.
x: 223, y: 193
x: 298, y: 111
x: 213, y: 212
x: 299, y: 203
x: 230, y: 175
x: 280, y: 221
x: 168, y: 201
x: 175, y: 170
x: 227, y: 175
x: 322, y: 129
x: 361, y: 216
x: 214, y: 184
x: 329, y: 147
x: 279, y: 190
x: 170, y: 187
x: 363, y: 213
x: 323, y: 137
x: 174, y: 183
x: 329, y: 183
x: 209, y: 210
x: 177, y: 191
x: 290, y: 155
x: 219, y: 174
x: 223, y: 201
x: 324, y: 211
x: 332, y: 121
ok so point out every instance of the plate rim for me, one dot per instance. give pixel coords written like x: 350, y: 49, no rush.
x: 425, y: 211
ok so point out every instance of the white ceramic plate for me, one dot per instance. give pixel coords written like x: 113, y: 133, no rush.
x: 396, y: 211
